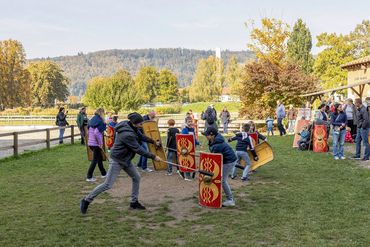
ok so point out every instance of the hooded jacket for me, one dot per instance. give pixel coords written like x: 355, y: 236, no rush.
x: 127, y: 144
x: 97, y: 122
x: 220, y: 146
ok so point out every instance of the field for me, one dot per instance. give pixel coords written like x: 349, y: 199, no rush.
x: 299, y: 199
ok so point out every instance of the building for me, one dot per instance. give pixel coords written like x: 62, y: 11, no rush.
x: 358, y: 72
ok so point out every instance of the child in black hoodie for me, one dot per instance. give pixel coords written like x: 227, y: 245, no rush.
x: 171, y: 144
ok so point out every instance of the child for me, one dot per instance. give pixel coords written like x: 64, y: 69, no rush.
x: 189, y: 129
x: 171, y: 145
x: 270, y: 125
x: 254, y: 130
x: 304, y: 139
x: 110, y: 132
x: 244, y: 142
x: 217, y: 144
x: 348, y: 137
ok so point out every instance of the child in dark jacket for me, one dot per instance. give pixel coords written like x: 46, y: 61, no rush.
x: 244, y: 143
x: 171, y: 144
x: 254, y: 130
x: 217, y: 144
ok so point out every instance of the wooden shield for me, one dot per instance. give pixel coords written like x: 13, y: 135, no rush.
x: 254, y: 136
x: 185, y: 145
x: 210, y: 192
x: 298, y: 128
x: 89, y: 151
x: 320, y: 143
x: 151, y: 130
x: 264, y: 153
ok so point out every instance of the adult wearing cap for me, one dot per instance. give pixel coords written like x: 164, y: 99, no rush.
x: 217, y: 144
x: 126, y: 145
x: 82, y: 121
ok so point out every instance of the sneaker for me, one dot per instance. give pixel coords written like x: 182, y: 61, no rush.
x: 137, y: 205
x: 147, y: 170
x: 336, y: 157
x: 104, y: 176
x: 169, y: 174
x: 245, y: 179
x: 233, y: 177
x: 365, y: 159
x: 342, y: 158
x: 228, y: 203
x: 90, y: 179
x: 84, y: 205
x: 356, y: 157
x: 187, y: 179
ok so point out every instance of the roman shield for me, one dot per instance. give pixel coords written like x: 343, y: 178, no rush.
x: 185, y: 145
x: 320, y: 143
x: 151, y: 130
x: 210, y: 190
x: 254, y: 136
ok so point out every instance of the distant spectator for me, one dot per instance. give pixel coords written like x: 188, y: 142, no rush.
x: 270, y: 125
x: 291, y: 119
x: 82, y: 121
x: 338, y: 120
x: 62, y: 123
x: 363, y: 125
x: 350, y: 110
x: 225, y: 119
x: 280, y: 115
x: 210, y: 117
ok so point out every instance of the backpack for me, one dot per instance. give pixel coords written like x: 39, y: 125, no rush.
x: 211, y: 116
x: 56, y: 120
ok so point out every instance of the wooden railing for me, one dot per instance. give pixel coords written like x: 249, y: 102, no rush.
x: 16, y: 145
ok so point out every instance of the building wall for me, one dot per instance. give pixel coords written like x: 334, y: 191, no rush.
x: 356, y: 76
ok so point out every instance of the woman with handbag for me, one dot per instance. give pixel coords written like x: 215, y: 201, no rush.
x: 338, y: 119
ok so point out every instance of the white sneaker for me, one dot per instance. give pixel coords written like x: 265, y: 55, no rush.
x: 342, y: 158
x: 228, y: 203
x: 336, y: 158
x: 169, y: 174
x: 147, y: 169
x: 104, y: 176
x: 187, y: 179
x: 90, y: 179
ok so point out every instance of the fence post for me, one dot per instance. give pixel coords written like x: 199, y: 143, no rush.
x: 48, y: 138
x: 15, y: 143
x: 72, y: 134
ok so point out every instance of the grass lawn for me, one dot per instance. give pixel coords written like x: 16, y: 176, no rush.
x: 299, y: 199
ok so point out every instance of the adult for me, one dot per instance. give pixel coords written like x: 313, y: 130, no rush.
x: 225, y: 119
x: 280, y: 115
x: 338, y: 119
x: 96, y: 128
x: 143, y: 161
x: 61, y: 121
x: 350, y: 110
x: 291, y: 119
x: 363, y: 125
x: 82, y: 121
x: 209, y: 117
x: 124, y: 149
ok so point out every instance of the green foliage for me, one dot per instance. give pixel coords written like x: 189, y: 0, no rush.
x: 360, y: 37
x: 47, y: 82
x: 14, y: 79
x: 233, y: 76
x: 299, y: 46
x: 146, y: 82
x: 173, y: 109
x: 208, y: 80
x: 167, y: 87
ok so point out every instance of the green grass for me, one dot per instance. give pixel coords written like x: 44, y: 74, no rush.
x: 299, y: 199
x: 202, y: 106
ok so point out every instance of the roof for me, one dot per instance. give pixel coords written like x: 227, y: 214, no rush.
x: 360, y: 61
x: 336, y: 89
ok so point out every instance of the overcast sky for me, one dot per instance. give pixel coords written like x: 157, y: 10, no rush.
x: 54, y: 28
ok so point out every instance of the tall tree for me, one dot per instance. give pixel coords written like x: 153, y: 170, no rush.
x: 299, y: 46
x: 146, y: 81
x: 233, y: 75
x: 167, y: 87
x: 360, y: 37
x: 269, y: 42
x: 14, y: 79
x: 48, y: 83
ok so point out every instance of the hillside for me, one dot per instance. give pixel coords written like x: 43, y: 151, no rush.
x: 82, y: 67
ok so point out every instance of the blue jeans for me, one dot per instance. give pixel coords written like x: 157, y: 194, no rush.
x: 338, y: 140
x: 143, y: 161
x: 270, y: 129
x: 226, y: 170
x: 362, y: 136
x: 61, y: 134
x: 242, y: 155
x: 170, y: 158
x: 226, y: 127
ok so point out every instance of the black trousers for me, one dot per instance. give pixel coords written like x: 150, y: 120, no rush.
x: 82, y: 133
x: 281, y: 127
x: 97, y: 159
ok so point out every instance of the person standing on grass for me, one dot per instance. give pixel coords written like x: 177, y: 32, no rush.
x: 217, y: 144
x: 209, y: 117
x: 126, y: 145
x: 61, y: 121
x: 225, y: 119
x: 270, y: 126
x: 363, y: 125
x: 291, y: 119
x: 350, y: 110
x: 338, y: 119
x: 96, y: 128
x: 171, y: 145
x: 82, y: 121
x: 143, y: 161
x: 280, y: 115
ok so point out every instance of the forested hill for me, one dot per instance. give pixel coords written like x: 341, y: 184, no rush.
x: 82, y: 67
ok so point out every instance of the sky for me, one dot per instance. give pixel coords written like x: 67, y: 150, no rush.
x: 52, y: 28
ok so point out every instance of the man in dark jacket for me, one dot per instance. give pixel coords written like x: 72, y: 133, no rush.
x: 125, y: 147
x: 217, y: 144
x: 363, y: 126
x: 82, y: 121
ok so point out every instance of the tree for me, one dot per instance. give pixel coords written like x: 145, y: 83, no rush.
x: 360, y: 38
x: 47, y: 83
x: 146, y: 82
x: 208, y: 80
x: 299, y: 46
x: 167, y: 87
x: 337, y: 51
x: 264, y: 83
x: 269, y: 42
x: 14, y: 79
x: 233, y: 76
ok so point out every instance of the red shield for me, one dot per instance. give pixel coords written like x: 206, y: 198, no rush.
x: 210, y: 192
x: 110, y: 137
x: 298, y: 128
x: 254, y: 136
x: 320, y: 143
x: 186, y: 152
